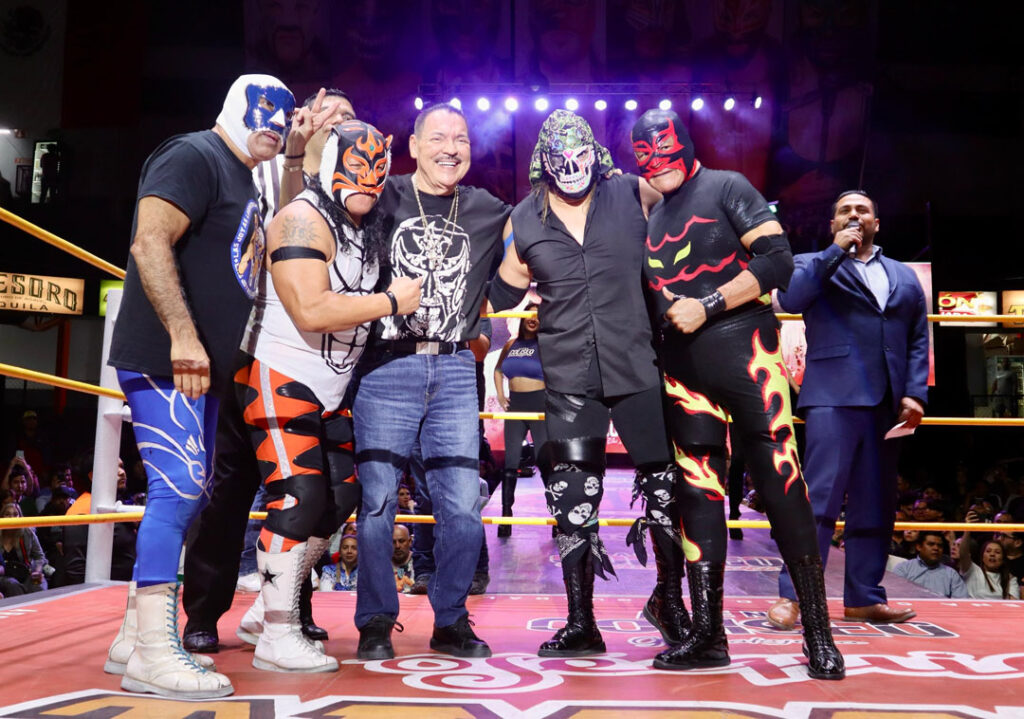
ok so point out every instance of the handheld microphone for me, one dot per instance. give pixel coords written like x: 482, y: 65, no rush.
x: 853, y: 224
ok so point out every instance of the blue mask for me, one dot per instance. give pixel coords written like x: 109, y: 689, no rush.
x: 256, y: 103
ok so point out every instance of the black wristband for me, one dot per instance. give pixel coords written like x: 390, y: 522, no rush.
x: 295, y: 157
x: 394, y: 303
x: 713, y: 304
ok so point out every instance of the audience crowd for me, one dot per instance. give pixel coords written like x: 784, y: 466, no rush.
x: 980, y: 565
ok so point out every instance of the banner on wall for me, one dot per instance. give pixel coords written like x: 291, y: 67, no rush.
x: 967, y: 304
x: 39, y: 293
x: 1013, y: 304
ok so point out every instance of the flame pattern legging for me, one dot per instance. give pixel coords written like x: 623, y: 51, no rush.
x: 734, y: 368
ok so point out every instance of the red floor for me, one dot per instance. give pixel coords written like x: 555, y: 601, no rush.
x: 957, y: 659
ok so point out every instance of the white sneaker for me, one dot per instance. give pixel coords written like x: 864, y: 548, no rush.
x: 282, y: 647
x: 248, y: 583
x: 124, y: 642
x: 159, y: 664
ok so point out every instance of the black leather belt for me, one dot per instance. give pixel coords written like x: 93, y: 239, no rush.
x: 412, y: 347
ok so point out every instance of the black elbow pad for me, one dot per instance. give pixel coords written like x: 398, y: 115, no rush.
x: 504, y: 296
x: 772, y: 262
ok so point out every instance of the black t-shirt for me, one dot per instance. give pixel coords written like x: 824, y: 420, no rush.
x: 693, y: 238
x: 1016, y: 567
x: 455, y: 261
x: 219, y: 257
x: 592, y: 302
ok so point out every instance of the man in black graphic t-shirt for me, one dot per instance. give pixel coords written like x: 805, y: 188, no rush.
x: 419, y: 379
x: 196, y: 256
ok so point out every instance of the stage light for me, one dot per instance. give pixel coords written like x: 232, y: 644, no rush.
x: 511, y: 104
x: 697, y: 104
x: 600, y: 105
x: 456, y: 103
x: 540, y: 104
x: 729, y: 104
x: 483, y: 104
x: 665, y: 104
x: 418, y: 102
x: 757, y: 102
x: 631, y: 105
x: 572, y: 104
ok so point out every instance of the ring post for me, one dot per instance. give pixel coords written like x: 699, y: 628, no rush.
x: 105, y: 455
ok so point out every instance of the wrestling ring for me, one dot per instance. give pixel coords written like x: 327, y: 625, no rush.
x: 930, y: 667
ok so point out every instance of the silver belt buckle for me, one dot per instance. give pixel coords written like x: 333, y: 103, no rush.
x: 428, y: 348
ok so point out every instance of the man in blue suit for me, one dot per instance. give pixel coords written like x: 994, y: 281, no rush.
x: 867, y: 368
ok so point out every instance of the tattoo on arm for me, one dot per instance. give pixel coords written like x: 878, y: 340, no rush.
x: 297, y: 232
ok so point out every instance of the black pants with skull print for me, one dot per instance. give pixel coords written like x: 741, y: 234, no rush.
x: 574, y: 492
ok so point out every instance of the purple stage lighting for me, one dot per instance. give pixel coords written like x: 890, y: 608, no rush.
x: 729, y: 104
x: 540, y: 104
x: 697, y: 104
x: 631, y: 105
x: 600, y: 105
x: 665, y: 104
x: 572, y: 104
x: 511, y: 104
x: 483, y: 104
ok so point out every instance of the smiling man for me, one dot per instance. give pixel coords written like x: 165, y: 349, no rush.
x: 419, y: 378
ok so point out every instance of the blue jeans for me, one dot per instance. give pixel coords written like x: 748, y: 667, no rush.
x: 423, y: 562
x: 399, y: 398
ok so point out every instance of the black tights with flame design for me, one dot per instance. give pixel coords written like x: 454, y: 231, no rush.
x: 734, y: 368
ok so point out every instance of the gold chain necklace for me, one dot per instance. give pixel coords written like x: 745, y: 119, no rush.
x: 434, y: 243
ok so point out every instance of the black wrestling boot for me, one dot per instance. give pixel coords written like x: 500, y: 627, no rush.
x: 199, y: 640
x: 705, y: 644
x: 309, y: 627
x: 823, y: 658
x: 508, y: 498
x: 580, y: 636
x: 665, y: 609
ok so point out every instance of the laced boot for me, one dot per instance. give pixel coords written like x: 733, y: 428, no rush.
x: 159, y: 664
x: 705, y: 644
x: 580, y: 636
x: 282, y: 647
x: 823, y: 658
x: 665, y: 609
x: 251, y: 626
x: 124, y: 642
x: 315, y: 547
x: 508, y: 498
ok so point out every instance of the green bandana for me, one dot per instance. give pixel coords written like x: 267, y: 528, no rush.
x: 566, y: 132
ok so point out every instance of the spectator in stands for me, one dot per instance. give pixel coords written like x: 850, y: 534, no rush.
x: 76, y: 538
x: 52, y: 538
x: 31, y: 443
x: 928, y: 570
x: 21, y: 481
x: 988, y: 578
x: 1013, y: 552
x: 22, y: 555
x: 59, y: 476
x: 405, y: 503
x: 401, y: 557
x: 343, y: 573
x: 929, y: 510
x: 1015, y: 499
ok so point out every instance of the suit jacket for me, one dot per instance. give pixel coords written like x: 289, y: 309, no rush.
x: 855, y: 350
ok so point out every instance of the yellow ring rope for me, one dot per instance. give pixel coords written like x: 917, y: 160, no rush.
x: 48, y: 237
x: 61, y: 521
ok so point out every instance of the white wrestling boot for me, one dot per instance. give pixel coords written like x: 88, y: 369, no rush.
x: 159, y: 664
x: 282, y: 647
x: 124, y: 642
x: 251, y: 626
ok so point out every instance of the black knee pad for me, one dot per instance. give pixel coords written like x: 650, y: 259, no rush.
x: 586, y: 454
x: 302, y: 520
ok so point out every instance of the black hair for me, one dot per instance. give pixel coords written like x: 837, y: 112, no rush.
x: 874, y: 205
x: 332, y: 92
x: 522, y: 322
x: 426, y: 112
x: 374, y: 236
x: 925, y: 533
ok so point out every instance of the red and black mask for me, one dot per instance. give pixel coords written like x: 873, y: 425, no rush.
x: 661, y: 142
